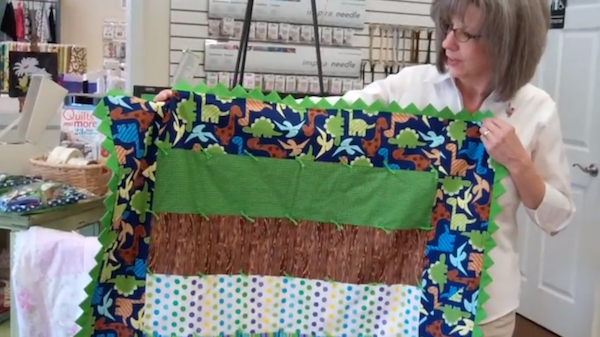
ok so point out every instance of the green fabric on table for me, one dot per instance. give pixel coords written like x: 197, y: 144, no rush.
x: 189, y: 182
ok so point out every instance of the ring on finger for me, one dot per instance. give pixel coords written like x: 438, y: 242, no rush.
x: 485, y: 133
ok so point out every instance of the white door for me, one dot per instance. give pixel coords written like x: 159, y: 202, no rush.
x: 559, y: 273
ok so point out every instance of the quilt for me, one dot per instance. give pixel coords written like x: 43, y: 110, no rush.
x: 232, y: 213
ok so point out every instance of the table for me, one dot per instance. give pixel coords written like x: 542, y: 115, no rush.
x: 70, y: 218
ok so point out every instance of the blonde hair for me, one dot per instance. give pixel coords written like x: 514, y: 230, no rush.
x: 513, y: 33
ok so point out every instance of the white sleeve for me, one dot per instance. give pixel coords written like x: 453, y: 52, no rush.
x: 550, y: 160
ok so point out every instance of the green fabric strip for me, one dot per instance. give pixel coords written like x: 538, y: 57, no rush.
x: 285, y: 188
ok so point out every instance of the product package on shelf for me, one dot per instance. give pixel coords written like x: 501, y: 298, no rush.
x: 281, y: 32
x: 281, y: 53
x: 71, y: 59
x: 8, y: 181
x: 40, y: 197
x: 299, y: 59
x: 79, y: 129
x: 338, y: 13
x: 114, y: 37
x: 308, y: 85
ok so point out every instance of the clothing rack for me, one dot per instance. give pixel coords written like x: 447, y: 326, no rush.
x: 57, y: 11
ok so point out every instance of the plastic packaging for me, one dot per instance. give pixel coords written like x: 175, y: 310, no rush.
x: 8, y: 181
x: 39, y: 197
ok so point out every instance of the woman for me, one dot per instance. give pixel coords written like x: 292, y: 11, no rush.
x: 488, y: 51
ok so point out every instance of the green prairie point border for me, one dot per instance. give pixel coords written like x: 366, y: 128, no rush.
x: 189, y: 182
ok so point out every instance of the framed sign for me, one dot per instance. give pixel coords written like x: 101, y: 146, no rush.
x: 23, y: 64
x: 558, y: 9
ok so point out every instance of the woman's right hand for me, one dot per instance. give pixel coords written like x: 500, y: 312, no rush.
x: 164, y: 95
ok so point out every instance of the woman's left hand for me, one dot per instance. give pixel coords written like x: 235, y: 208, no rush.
x: 501, y: 142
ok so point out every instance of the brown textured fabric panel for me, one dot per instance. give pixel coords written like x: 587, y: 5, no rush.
x: 184, y: 244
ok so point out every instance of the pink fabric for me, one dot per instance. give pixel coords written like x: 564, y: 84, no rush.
x: 50, y: 272
x: 19, y: 19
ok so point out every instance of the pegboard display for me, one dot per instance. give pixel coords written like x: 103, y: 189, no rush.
x: 191, y: 27
x: 114, y: 38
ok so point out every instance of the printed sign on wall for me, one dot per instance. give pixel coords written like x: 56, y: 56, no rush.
x: 302, y: 60
x: 23, y: 64
x: 558, y: 9
x: 337, y: 13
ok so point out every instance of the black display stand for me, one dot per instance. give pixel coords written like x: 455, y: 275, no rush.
x: 240, y: 64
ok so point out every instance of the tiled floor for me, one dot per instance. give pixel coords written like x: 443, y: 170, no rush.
x: 524, y: 328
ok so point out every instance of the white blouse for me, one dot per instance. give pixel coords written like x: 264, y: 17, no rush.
x: 537, y: 125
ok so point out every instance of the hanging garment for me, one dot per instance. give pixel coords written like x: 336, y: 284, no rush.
x: 9, y: 24
x: 26, y: 23
x: 40, y: 26
x: 52, y: 24
x: 33, y: 27
x: 20, y: 23
x: 49, y: 276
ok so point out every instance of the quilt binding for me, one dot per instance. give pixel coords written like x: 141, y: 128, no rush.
x: 106, y: 239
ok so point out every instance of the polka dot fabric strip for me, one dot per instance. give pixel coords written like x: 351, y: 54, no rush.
x: 225, y: 305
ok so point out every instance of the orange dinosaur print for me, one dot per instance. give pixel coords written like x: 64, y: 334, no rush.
x: 138, y: 177
x: 440, y: 212
x: 309, y: 128
x: 473, y: 132
x: 475, y: 263
x: 272, y: 150
x: 371, y: 146
x: 144, y: 118
x: 122, y: 154
x: 197, y: 147
x: 458, y: 167
x: 436, y: 296
x: 421, y: 163
x: 252, y: 105
x: 472, y: 283
x: 124, y: 307
x: 226, y: 133
x: 483, y: 211
x: 120, y: 329
x: 435, y: 329
x: 128, y: 254
x: 397, y: 118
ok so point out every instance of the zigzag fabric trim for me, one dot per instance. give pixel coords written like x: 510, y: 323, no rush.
x: 107, y: 236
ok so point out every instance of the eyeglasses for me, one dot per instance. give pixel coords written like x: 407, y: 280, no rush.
x: 461, y: 36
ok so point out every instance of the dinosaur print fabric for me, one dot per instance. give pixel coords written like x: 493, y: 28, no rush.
x: 127, y: 298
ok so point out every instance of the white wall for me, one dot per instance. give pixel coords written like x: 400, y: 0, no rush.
x: 81, y: 24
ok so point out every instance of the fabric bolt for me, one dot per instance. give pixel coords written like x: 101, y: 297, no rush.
x: 51, y: 269
x: 77, y: 60
x: 223, y: 304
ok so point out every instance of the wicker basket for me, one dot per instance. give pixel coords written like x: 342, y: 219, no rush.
x: 93, y: 178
